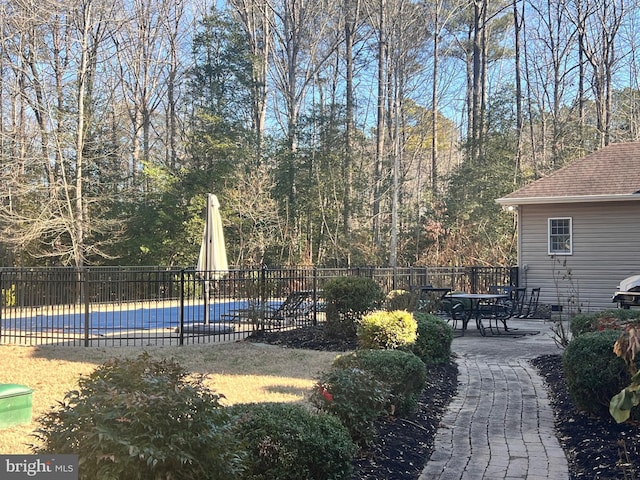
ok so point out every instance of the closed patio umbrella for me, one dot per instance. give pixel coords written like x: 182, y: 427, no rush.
x: 212, y: 260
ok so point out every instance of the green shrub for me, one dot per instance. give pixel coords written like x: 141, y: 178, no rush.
x: 355, y: 397
x: 8, y: 296
x: 402, y: 372
x: 582, y: 323
x: 289, y: 442
x: 348, y: 298
x: 613, y: 319
x: 401, y: 300
x: 594, y: 374
x: 387, y: 330
x: 142, y: 419
x: 433, y: 344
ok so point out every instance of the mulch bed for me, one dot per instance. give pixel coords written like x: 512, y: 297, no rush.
x: 596, y: 447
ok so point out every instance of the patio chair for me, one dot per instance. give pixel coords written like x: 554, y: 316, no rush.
x: 299, y: 305
x: 454, y: 312
x: 504, y: 309
x: 531, y: 307
x: 431, y: 299
x: 512, y: 307
x: 434, y: 300
x: 458, y: 313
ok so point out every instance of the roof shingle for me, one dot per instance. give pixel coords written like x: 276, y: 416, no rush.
x: 611, y: 171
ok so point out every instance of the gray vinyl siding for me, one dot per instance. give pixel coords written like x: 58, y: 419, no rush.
x: 606, y: 250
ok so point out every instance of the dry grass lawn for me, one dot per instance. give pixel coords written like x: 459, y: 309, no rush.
x: 243, y: 372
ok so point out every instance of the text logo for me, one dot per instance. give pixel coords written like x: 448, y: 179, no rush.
x: 49, y: 467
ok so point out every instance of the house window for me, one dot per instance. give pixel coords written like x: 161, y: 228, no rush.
x: 560, y: 236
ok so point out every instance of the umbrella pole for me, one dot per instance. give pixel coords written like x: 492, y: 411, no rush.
x: 207, y: 313
x: 207, y: 255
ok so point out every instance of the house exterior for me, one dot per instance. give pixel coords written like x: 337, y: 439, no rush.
x: 579, y: 229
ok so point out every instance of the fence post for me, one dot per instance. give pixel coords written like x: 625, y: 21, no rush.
x: 514, y: 274
x: 263, y: 284
x: 315, y: 295
x: 262, y: 323
x: 181, y: 312
x: 84, y: 294
x: 474, y: 279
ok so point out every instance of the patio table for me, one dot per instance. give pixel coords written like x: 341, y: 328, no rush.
x: 476, y: 302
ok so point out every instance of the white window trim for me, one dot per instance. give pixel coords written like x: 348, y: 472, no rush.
x: 570, y: 251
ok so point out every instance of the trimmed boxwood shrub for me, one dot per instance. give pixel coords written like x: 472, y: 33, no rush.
x: 348, y: 299
x: 594, y: 374
x: 143, y: 419
x: 403, y: 373
x: 606, y: 320
x: 433, y: 344
x: 289, y: 442
x: 582, y: 323
x: 355, y: 397
x: 387, y: 330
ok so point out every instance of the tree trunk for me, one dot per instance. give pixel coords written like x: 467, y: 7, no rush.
x: 352, y: 9
x: 255, y: 18
x: 518, y: 19
x: 479, y: 7
x: 434, y: 100
x: 380, y: 123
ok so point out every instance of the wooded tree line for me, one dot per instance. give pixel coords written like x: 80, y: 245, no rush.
x: 334, y: 132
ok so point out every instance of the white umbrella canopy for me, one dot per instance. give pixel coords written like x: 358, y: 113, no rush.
x: 212, y: 260
x: 213, y: 253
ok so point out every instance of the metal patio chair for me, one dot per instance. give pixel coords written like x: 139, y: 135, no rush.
x: 299, y: 305
x: 531, y: 307
x: 504, y: 309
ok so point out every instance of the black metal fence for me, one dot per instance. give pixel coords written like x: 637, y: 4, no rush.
x: 119, y: 306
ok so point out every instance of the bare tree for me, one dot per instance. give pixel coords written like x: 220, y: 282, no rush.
x: 256, y: 223
x: 408, y: 42
x: 478, y: 76
x: 518, y: 20
x: 175, y: 33
x: 300, y: 50
x: 441, y: 13
x: 144, y: 33
x: 54, y: 50
x: 381, y: 30
x: 552, y: 69
x: 351, y: 21
x: 256, y: 18
x: 598, y: 23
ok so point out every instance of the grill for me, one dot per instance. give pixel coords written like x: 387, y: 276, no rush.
x: 628, y: 293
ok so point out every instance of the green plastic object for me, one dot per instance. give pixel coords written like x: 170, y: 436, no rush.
x: 15, y: 404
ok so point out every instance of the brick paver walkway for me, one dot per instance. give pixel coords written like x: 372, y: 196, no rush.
x: 500, y: 424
